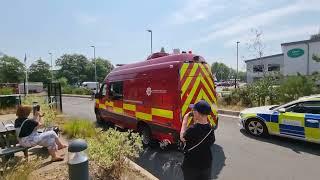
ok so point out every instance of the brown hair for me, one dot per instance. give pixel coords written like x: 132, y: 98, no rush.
x: 23, y: 111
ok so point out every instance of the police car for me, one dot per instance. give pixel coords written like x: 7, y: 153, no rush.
x: 298, y: 119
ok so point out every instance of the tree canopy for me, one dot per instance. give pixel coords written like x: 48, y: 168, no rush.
x: 39, y: 71
x: 11, y: 70
x: 223, y: 73
x: 76, y: 68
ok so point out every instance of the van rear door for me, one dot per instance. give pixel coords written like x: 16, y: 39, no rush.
x: 196, y: 83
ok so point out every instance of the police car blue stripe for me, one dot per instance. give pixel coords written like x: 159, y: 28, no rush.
x: 275, y: 118
x: 292, y: 132
x: 290, y: 127
x: 312, y: 117
x: 265, y: 117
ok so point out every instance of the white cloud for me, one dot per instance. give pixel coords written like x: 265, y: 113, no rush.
x: 236, y: 26
x: 195, y: 10
x: 276, y: 35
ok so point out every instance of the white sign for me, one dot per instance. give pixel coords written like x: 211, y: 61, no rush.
x: 291, y: 122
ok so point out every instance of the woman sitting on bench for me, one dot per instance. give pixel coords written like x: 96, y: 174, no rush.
x: 28, y: 136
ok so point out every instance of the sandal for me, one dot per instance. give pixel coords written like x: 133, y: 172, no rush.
x: 57, y: 159
x: 62, y: 147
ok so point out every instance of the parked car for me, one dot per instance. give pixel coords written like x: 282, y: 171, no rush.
x: 298, y: 119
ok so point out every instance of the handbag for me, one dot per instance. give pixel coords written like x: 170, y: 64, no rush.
x: 188, y: 150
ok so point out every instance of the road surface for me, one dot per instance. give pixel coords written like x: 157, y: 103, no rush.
x: 236, y: 154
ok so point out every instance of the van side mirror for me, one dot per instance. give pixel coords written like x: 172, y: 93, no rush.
x: 282, y: 110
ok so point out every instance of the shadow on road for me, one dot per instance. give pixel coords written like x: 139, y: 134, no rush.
x: 297, y: 146
x: 166, y: 164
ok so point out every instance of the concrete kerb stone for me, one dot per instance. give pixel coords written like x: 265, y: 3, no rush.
x: 229, y: 112
x: 140, y: 169
x: 76, y: 95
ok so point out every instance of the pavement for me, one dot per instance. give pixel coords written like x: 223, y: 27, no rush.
x: 236, y: 155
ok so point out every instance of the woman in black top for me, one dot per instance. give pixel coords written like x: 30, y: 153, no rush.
x: 197, y: 157
x: 28, y: 136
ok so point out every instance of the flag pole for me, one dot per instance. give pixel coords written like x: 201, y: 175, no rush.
x: 26, y: 66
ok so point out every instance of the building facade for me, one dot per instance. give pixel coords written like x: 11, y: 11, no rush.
x: 298, y: 57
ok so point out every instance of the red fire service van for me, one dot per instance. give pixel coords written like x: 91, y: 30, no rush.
x: 152, y: 96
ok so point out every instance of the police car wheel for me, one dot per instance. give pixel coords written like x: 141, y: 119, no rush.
x: 256, y: 127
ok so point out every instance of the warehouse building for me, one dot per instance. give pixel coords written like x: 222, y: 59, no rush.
x: 298, y: 57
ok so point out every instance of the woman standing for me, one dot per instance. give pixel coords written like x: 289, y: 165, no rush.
x: 198, y: 139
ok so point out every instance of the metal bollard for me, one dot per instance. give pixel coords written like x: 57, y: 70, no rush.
x: 78, y: 160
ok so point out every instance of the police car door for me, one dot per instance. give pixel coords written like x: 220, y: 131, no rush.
x: 301, y: 121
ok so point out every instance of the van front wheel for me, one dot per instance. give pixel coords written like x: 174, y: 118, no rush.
x: 145, y: 135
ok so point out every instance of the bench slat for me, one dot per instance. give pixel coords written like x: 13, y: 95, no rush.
x: 8, y: 125
x: 2, y: 128
x: 12, y: 150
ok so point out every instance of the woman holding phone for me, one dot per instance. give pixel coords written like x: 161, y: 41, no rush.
x: 28, y: 136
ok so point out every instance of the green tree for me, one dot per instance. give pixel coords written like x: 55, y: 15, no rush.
x: 39, y: 72
x: 63, y: 81
x: 104, y: 67
x: 221, y: 71
x: 11, y: 69
x: 294, y: 87
x: 73, y: 67
x: 315, y: 36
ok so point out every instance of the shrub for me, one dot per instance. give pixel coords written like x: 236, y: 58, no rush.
x: 294, y: 87
x: 20, y: 170
x: 67, y: 90
x: 109, y: 150
x: 79, y: 128
x: 6, y: 91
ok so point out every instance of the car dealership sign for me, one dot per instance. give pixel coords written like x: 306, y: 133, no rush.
x: 296, y: 52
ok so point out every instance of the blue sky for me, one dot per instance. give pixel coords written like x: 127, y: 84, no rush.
x: 118, y: 28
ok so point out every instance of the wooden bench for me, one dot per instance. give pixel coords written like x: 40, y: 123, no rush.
x: 9, y: 144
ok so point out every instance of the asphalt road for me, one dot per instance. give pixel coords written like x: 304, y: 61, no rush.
x: 236, y: 154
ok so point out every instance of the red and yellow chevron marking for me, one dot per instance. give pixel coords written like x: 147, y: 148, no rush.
x: 196, y: 84
x: 136, y: 111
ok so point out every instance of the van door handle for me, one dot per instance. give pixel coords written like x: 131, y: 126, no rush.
x: 312, y: 121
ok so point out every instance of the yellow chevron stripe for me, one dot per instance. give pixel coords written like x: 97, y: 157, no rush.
x: 162, y: 113
x: 102, y: 106
x: 213, y: 108
x: 193, y: 90
x: 190, y: 77
x: 129, y: 107
x: 118, y: 110
x: 209, y: 90
x: 109, y: 103
x: 204, y: 70
x: 183, y: 69
x: 144, y: 116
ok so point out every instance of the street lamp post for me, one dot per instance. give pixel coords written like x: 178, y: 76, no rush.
x: 95, y: 65
x: 150, y: 31
x: 235, y: 80
x: 51, y: 67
